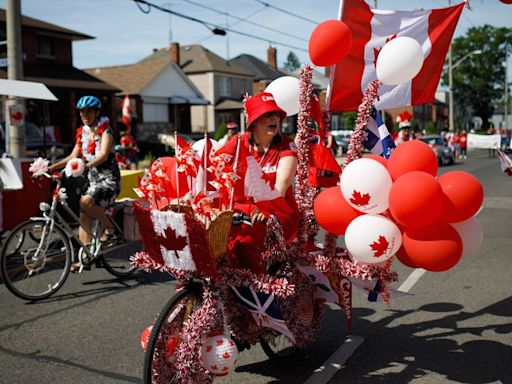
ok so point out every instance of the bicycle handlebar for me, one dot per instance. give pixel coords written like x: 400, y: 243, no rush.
x: 240, y: 218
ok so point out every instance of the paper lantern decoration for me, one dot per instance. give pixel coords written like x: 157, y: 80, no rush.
x: 399, y: 60
x: 332, y: 211
x: 329, y: 42
x: 372, y: 239
x: 410, y: 156
x: 286, y: 90
x: 219, y: 355
x: 464, y: 193
x: 365, y: 184
x: 144, y: 337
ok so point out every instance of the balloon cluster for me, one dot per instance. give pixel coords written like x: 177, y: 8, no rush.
x: 400, y: 207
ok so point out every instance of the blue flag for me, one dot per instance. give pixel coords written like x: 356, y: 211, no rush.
x: 378, y: 141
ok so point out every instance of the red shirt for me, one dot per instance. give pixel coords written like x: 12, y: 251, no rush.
x: 268, y: 160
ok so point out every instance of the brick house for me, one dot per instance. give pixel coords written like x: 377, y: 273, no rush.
x: 48, y: 59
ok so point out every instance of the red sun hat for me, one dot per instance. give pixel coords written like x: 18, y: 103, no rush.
x: 256, y: 106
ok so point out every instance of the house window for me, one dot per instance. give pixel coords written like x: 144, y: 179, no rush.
x: 45, y: 47
x: 225, y: 86
x: 3, y: 46
x: 155, y: 113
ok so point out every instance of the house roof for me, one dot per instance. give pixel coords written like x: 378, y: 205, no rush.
x: 133, y: 78
x: 42, y: 25
x: 197, y: 59
x: 319, y: 79
x: 228, y: 104
x: 59, y: 75
x: 257, y: 67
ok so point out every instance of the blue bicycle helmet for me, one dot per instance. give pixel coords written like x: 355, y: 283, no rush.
x: 88, y: 102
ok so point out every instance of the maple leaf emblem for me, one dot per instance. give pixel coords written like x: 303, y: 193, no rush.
x: 171, y: 241
x: 380, y: 246
x: 377, y: 51
x: 360, y: 199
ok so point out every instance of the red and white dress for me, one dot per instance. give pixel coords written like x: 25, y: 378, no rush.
x: 246, y: 242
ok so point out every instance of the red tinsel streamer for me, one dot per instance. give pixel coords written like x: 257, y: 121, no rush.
x: 387, y: 276
x: 201, y: 323
x: 303, y: 198
x: 357, y: 138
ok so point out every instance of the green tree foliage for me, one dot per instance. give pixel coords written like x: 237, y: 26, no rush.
x: 479, y: 81
x: 221, y: 130
x: 292, y: 62
x: 349, y: 120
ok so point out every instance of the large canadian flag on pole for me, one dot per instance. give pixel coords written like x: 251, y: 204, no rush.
x: 126, y: 112
x: 371, y: 30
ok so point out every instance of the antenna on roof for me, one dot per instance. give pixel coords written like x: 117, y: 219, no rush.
x: 168, y: 6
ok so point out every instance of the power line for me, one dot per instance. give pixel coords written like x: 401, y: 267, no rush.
x: 245, y: 20
x: 287, y: 12
x: 216, y: 29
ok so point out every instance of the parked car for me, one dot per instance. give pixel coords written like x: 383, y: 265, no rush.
x: 439, y: 145
x: 342, y: 138
x: 35, y: 145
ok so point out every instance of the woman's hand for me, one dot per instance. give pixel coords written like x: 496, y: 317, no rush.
x: 257, y: 216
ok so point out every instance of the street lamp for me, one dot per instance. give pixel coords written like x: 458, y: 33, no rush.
x: 450, y: 81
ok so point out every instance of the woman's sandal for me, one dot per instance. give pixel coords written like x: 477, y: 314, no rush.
x: 109, y: 238
x: 75, y: 267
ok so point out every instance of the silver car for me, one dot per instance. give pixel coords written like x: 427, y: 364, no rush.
x: 439, y: 145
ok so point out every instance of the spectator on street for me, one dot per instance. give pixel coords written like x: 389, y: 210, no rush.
x: 463, y: 143
x: 232, y: 131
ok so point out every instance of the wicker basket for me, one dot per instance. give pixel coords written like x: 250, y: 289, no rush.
x: 218, y: 233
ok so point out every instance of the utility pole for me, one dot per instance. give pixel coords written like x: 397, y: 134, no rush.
x: 505, y: 111
x: 16, y: 134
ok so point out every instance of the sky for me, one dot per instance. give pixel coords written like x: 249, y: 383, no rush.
x: 124, y: 34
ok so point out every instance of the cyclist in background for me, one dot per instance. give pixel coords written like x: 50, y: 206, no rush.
x: 95, y: 145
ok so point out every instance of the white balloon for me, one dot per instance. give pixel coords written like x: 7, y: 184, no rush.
x: 399, y: 60
x: 286, y: 90
x: 372, y: 239
x: 471, y: 233
x: 365, y: 184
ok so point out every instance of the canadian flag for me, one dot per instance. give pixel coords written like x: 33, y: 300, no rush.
x: 371, y: 30
x: 126, y: 113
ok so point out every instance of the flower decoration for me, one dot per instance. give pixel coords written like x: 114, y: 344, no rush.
x: 39, y: 167
x: 74, y: 167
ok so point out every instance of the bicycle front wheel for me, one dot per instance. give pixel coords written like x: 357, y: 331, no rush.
x: 116, y: 259
x: 165, y: 336
x: 34, y: 260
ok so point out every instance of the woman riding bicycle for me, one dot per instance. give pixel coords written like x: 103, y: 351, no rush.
x: 276, y: 154
x: 95, y: 144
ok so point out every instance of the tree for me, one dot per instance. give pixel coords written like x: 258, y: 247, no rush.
x: 349, y: 120
x: 479, y: 81
x: 292, y: 62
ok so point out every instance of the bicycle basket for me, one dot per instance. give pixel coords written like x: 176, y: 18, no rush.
x: 218, y: 233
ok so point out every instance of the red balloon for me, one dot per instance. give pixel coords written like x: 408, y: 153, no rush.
x: 329, y: 42
x: 464, y: 195
x: 416, y: 199
x: 405, y: 259
x: 411, y: 156
x: 506, y: 1
x: 332, y: 211
x: 437, y: 248
x: 380, y: 159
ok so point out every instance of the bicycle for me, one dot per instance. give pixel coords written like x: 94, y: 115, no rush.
x: 205, y: 305
x: 36, y: 256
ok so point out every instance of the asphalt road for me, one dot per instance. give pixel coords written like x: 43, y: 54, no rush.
x: 455, y: 328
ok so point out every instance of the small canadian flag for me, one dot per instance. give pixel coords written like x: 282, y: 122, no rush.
x: 126, y: 113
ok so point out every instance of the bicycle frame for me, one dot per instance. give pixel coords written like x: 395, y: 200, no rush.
x: 51, y: 215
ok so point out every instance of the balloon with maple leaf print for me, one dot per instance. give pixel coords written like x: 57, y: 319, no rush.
x: 219, y: 354
x: 372, y: 239
x: 365, y: 184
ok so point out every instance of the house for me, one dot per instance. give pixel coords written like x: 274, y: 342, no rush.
x: 263, y: 72
x: 48, y: 59
x: 161, y: 96
x: 222, y: 83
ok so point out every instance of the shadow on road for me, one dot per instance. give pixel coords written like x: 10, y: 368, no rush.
x: 419, y: 348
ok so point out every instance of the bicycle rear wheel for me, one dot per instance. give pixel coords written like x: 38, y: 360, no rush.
x: 165, y: 336
x: 116, y: 259
x: 34, y: 261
